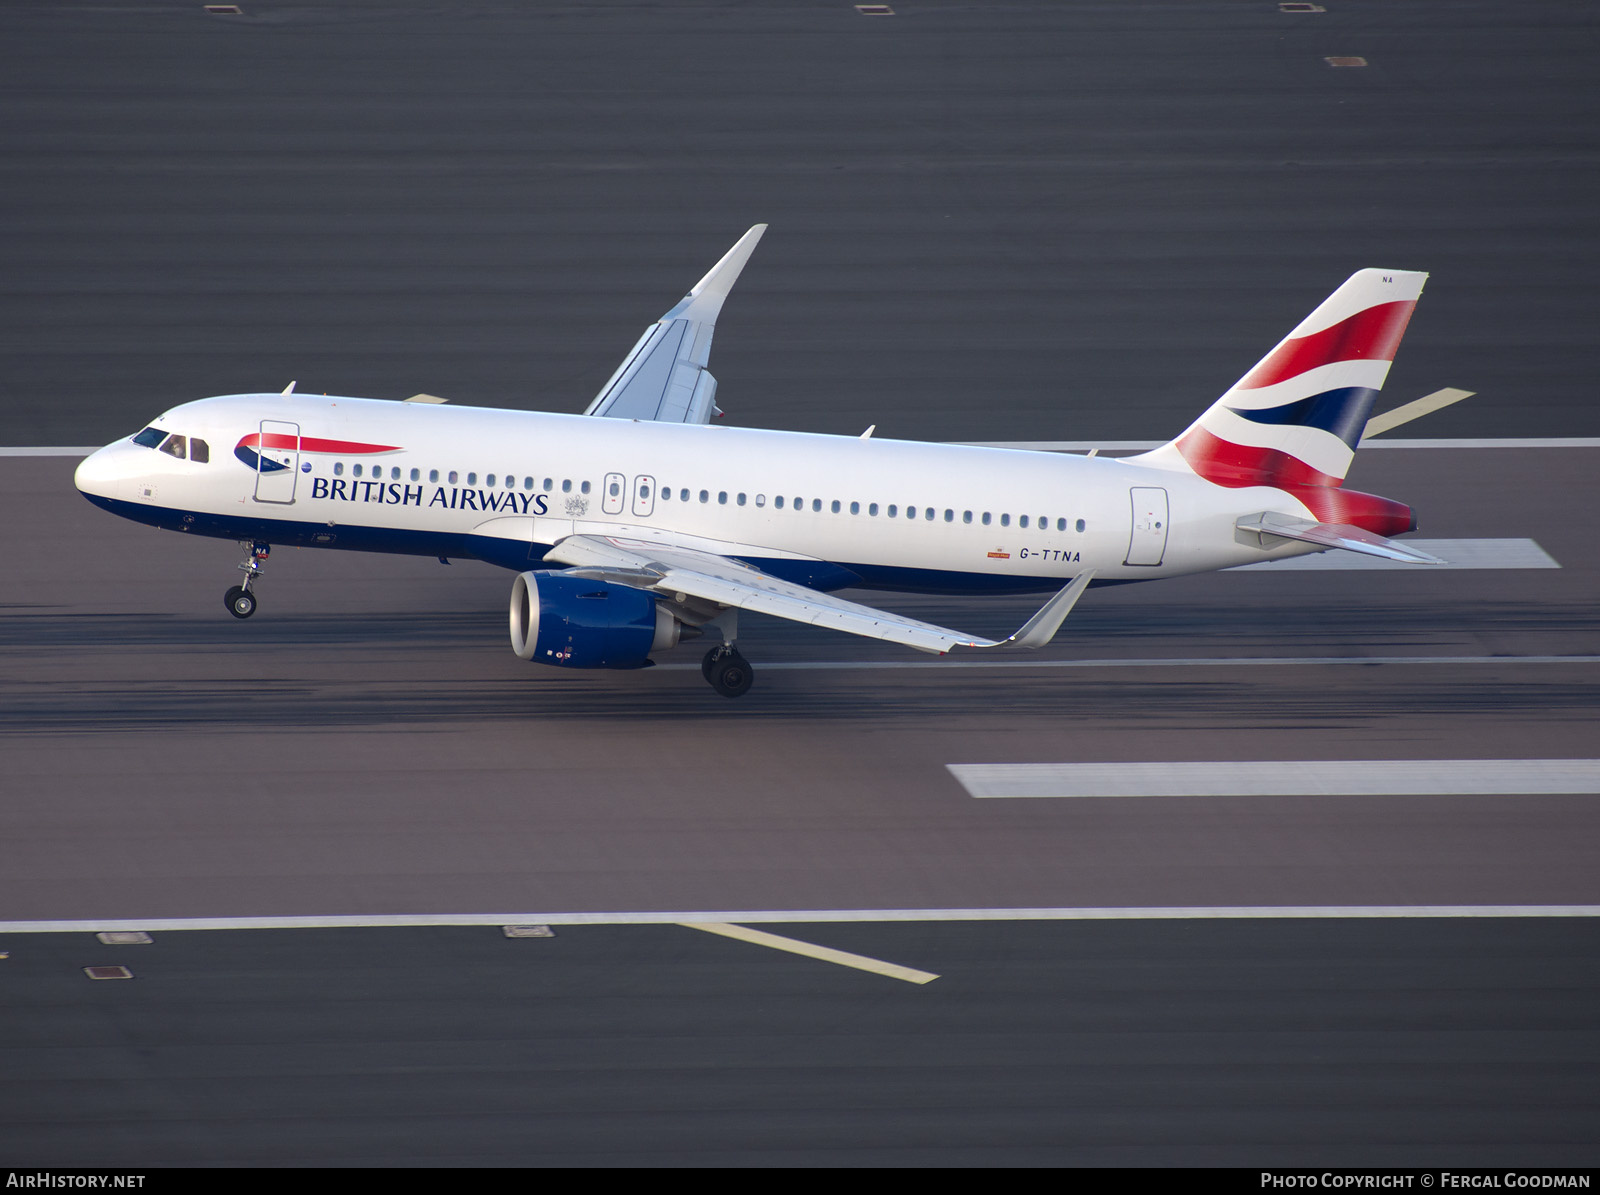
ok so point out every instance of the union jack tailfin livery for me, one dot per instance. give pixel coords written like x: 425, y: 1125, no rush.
x: 1293, y: 422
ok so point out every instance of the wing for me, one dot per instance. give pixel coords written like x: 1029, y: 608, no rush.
x: 676, y: 572
x: 664, y: 379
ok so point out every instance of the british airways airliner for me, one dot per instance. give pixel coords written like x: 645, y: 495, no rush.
x: 638, y: 523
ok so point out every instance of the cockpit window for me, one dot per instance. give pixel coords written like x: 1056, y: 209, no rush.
x: 175, y: 446
x: 150, y: 437
x: 199, y: 451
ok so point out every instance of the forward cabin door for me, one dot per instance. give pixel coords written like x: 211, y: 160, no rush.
x: 1148, y: 543
x: 277, y: 461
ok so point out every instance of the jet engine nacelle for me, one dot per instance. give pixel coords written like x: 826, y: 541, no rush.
x: 572, y: 623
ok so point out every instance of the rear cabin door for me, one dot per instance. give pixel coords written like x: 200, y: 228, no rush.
x: 277, y: 461
x: 1148, y: 543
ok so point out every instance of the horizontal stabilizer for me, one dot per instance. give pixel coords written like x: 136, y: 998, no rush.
x: 1268, y: 524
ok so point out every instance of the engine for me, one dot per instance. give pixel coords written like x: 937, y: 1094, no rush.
x: 564, y: 620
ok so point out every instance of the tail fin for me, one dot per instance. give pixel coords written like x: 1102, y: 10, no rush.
x: 1296, y: 418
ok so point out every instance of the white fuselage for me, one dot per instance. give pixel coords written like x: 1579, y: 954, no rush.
x: 501, y: 485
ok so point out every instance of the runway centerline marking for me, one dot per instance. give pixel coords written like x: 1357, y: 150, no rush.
x: 1282, y: 778
x: 825, y: 953
x: 1456, y: 554
x: 496, y: 920
x: 1158, y: 662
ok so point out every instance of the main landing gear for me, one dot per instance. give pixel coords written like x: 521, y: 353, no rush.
x: 729, y: 673
x: 239, y: 600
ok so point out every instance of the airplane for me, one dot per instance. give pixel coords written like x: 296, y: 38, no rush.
x: 640, y: 523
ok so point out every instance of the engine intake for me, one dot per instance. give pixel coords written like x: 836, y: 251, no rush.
x: 572, y: 623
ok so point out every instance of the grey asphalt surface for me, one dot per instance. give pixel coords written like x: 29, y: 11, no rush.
x: 1247, y: 1044
x: 1019, y: 222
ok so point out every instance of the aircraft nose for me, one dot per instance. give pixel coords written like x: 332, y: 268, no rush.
x: 97, y: 473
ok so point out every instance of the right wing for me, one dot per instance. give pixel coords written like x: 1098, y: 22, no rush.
x: 670, y: 570
x: 664, y: 379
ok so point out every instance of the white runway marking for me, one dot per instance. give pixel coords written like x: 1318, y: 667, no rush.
x: 1456, y: 554
x: 794, y: 946
x: 800, y: 917
x: 1164, y: 662
x: 1147, y: 445
x: 1282, y: 778
x: 1074, y: 445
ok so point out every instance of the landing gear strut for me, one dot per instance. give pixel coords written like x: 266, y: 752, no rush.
x: 729, y: 673
x: 239, y: 600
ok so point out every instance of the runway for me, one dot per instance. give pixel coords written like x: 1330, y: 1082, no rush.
x: 1061, y: 222
x: 369, y: 744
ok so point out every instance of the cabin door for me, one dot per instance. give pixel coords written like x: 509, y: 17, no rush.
x: 277, y: 461
x: 1148, y: 542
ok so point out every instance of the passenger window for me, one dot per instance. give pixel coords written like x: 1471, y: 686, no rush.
x: 722, y: 497
x: 666, y: 493
x: 584, y: 487
x: 527, y: 483
x: 489, y: 480
x: 566, y: 486
x: 930, y: 514
x: 549, y: 484
x: 1005, y: 520
x: 1023, y: 522
x: 893, y: 510
x: 873, y: 510
x: 1061, y: 524
x: 472, y: 478
x: 338, y: 468
x: 911, y: 512
x: 949, y: 516
x: 416, y: 475
x: 761, y: 500
x: 1081, y: 524
x: 454, y: 476
x: 356, y: 469
x: 855, y: 508
x: 986, y: 518
x: 836, y: 506
x: 966, y: 516
x: 816, y: 504
x: 705, y: 496
x: 200, y: 452
x: 778, y: 502
x: 741, y: 499
x: 616, y: 488
x: 433, y: 476
x: 683, y: 495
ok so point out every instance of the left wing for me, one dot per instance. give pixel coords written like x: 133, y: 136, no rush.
x: 664, y: 379
x: 676, y: 572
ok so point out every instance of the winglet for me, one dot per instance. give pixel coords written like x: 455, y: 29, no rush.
x: 1042, y: 627
x: 704, y: 301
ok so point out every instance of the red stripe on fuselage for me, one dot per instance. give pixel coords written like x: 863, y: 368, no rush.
x: 1370, y: 335
x: 313, y: 444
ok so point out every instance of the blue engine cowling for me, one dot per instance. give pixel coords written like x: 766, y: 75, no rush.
x: 572, y: 623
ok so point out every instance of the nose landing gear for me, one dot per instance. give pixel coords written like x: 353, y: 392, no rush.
x: 240, y: 601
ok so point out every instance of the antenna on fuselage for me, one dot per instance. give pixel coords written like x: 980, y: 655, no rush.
x: 288, y: 390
